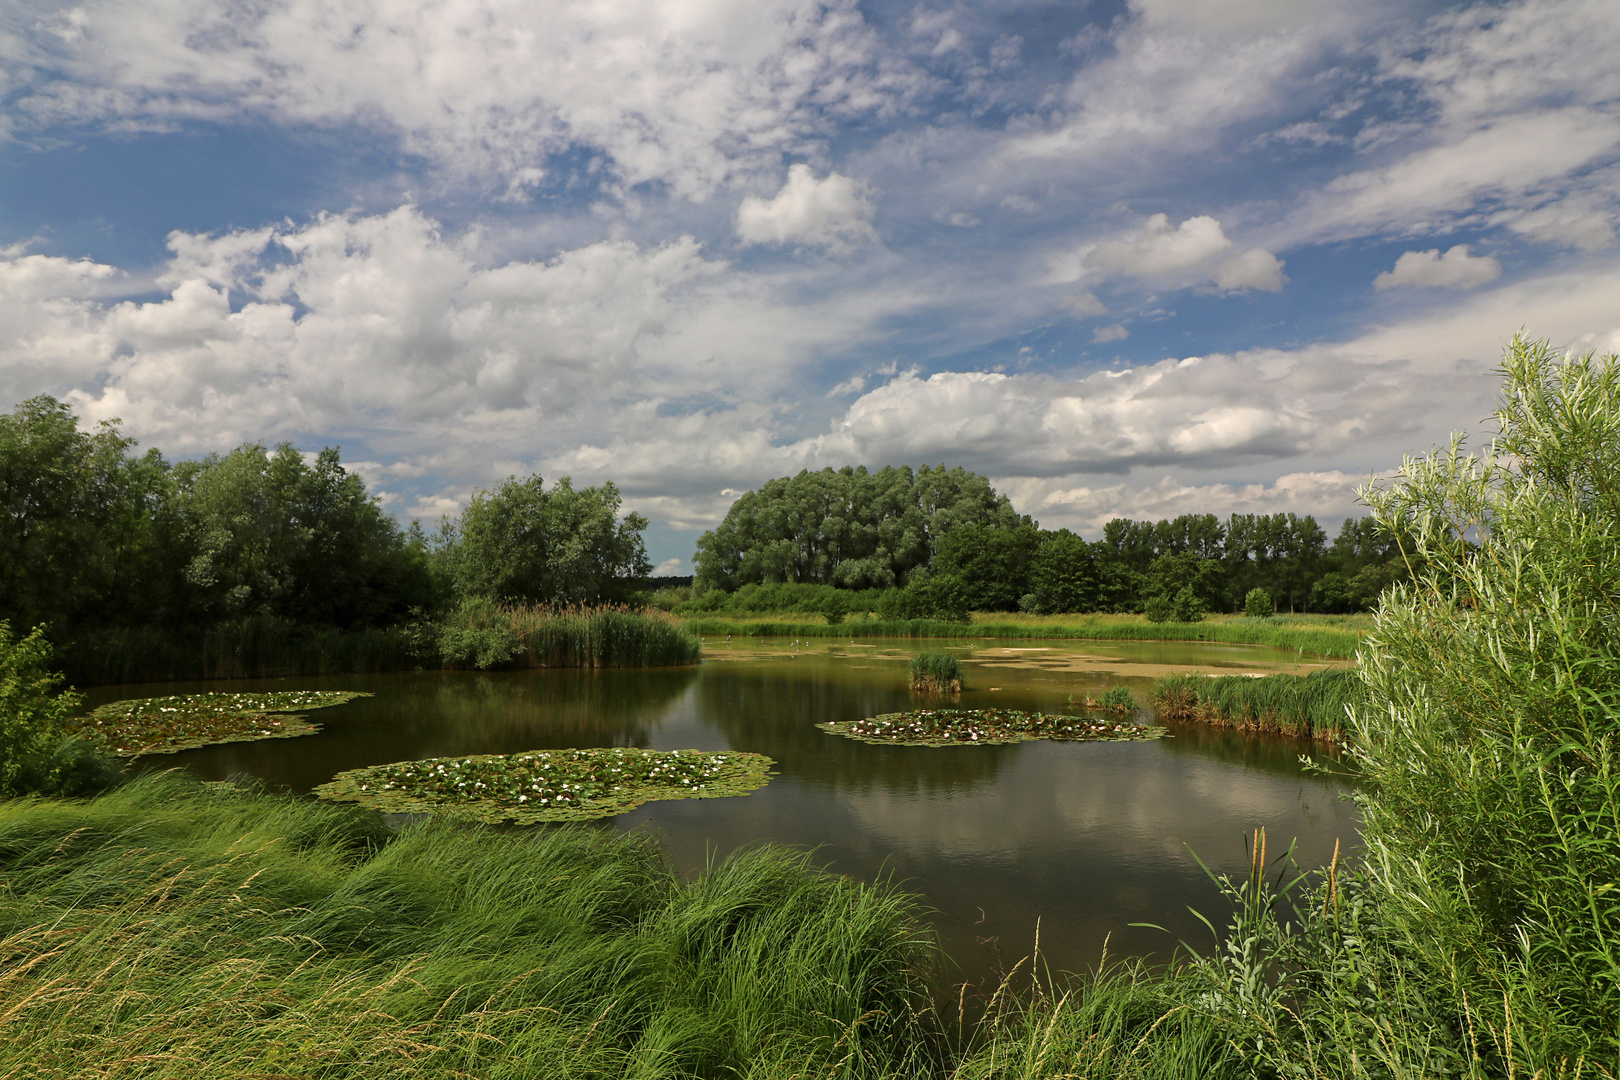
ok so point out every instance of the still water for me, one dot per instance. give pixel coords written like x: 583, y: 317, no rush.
x: 1083, y: 839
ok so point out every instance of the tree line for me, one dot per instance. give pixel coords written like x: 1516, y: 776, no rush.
x: 941, y: 542
x: 95, y: 534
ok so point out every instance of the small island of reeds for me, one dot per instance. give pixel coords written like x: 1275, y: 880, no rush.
x: 167, y: 725
x: 549, y: 785
x: 936, y: 673
x: 977, y: 727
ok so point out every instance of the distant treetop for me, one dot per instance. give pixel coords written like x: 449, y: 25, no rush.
x: 851, y: 528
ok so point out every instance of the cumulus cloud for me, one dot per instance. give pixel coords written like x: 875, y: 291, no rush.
x: 691, y: 94
x: 1184, y: 254
x: 1456, y: 269
x: 832, y: 213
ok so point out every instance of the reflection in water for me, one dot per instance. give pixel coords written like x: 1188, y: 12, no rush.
x: 1083, y: 838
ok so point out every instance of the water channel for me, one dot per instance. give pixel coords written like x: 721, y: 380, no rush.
x: 1081, y: 839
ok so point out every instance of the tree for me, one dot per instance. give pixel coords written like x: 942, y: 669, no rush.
x: 1064, y: 574
x: 558, y: 546
x: 991, y: 563
x: 1488, y: 739
x: 1258, y: 604
x: 850, y: 528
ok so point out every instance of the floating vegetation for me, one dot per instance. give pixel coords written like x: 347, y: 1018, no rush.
x: 165, y: 725
x: 970, y: 727
x: 936, y: 673
x: 549, y: 785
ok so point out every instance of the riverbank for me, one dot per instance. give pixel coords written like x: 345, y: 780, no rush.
x: 478, y: 635
x: 1332, y: 636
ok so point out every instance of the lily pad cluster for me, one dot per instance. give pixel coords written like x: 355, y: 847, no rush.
x: 972, y: 727
x: 165, y: 725
x: 549, y: 785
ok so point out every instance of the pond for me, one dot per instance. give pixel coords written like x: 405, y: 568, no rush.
x: 1081, y: 839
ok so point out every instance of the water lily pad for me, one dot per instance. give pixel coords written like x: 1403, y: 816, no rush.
x: 165, y: 725
x: 977, y: 727
x: 549, y: 785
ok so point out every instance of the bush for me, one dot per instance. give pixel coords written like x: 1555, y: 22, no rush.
x: 1160, y: 609
x: 36, y: 754
x: 1187, y: 606
x: 1259, y: 604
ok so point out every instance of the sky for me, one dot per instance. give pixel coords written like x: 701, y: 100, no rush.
x: 1126, y: 259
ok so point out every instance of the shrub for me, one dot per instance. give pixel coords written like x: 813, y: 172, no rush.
x: 1187, y: 605
x: 37, y: 756
x: 1259, y: 604
x: 1160, y: 609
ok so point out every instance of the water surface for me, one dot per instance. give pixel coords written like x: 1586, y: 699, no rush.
x: 1083, y: 839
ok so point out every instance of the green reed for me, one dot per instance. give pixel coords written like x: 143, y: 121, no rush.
x: 1308, y: 706
x: 172, y: 929
x: 1307, y: 637
x: 936, y: 673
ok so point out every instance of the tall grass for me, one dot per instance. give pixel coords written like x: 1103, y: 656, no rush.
x: 171, y: 930
x: 1309, y: 706
x: 586, y: 637
x: 1316, y: 638
x: 936, y: 673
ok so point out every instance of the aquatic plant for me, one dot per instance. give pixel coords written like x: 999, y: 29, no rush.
x: 1308, y: 706
x: 549, y: 785
x: 1118, y: 699
x: 979, y: 727
x: 936, y: 673
x: 166, y: 725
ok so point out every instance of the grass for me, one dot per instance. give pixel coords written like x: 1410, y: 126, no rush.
x: 1330, y: 636
x: 936, y: 673
x: 165, y: 725
x: 549, y: 785
x: 483, y: 634
x: 170, y: 931
x: 980, y: 727
x: 1307, y: 706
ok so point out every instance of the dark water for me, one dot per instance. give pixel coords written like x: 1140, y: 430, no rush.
x: 1085, y: 838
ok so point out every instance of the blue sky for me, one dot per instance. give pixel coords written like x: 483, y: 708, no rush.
x: 1137, y: 259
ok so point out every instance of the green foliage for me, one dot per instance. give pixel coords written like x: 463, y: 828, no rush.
x: 1064, y: 575
x: 476, y: 634
x: 37, y: 753
x: 1117, y: 699
x: 1160, y: 609
x: 1258, y: 604
x: 525, y: 543
x: 1493, y: 716
x: 172, y: 930
x: 991, y: 562
x: 851, y: 528
x: 1187, y: 605
x: 1308, y: 706
x: 783, y: 596
x: 482, y: 634
x: 936, y: 673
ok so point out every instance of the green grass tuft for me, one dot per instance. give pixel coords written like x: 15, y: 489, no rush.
x: 1308, y: 706
x: 936, y: 673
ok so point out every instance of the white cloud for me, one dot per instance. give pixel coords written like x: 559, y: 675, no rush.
x: 1232, y: 15
x: 1085, y: 509
x: 1254, y: 269
x: 1105, y: 334
x: 1159, y: 249
x: 669, y: 568
x: 692, y: 94
x: 831, y: 213
x: 1456, y: 269
x: 1184, y: 254
x: 1085, y: 304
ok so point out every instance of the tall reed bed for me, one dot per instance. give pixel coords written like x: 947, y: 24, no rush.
x: 169, y: 930
x: 1308, y: 706
x: 484, y: 634
x: 259, y: 647
x: 1316, y: 640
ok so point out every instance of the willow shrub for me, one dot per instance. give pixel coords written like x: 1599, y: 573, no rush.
x: 37, y: 755
x: 1489, y: 732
